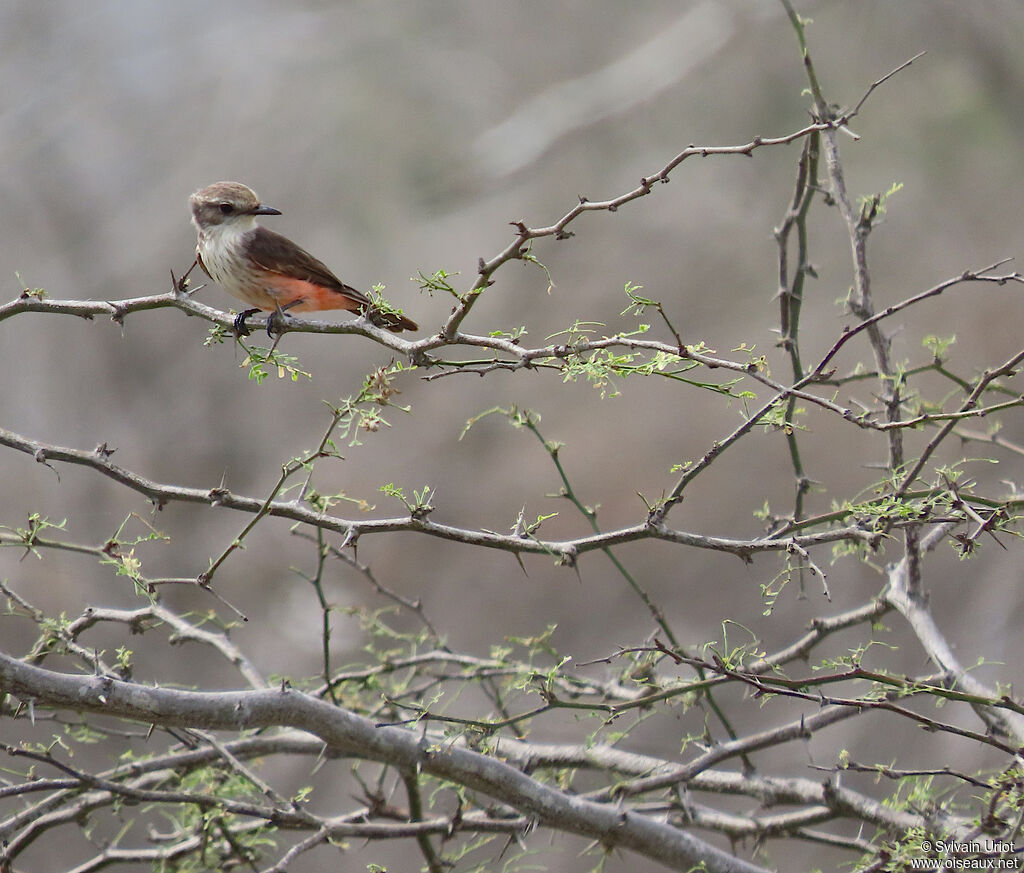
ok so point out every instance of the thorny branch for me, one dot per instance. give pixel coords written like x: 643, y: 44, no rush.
x: 405, y: 713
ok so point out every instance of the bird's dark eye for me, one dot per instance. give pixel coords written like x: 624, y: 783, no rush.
x: 226, y: 208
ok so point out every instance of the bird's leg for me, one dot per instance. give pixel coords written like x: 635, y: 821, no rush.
x: 241, y: 328
x: 275, y: 322
x: 276, y: 319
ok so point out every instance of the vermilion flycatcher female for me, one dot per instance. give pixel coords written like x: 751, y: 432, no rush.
x: 263, y: 268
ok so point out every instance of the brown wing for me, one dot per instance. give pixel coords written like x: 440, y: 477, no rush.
x: 278, y: 254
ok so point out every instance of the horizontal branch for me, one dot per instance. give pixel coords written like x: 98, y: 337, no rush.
x: 414, y: 350
x: 117, y: 310
x: 349, y: 734
x: 138, y: 777
x: 565, y: 551
x: 769, y: 790
x: 418, y: 351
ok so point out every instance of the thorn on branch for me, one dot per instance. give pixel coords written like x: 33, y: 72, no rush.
x: 106, y: 684
x: 104, y: 451
x: 181, y: 286
x: 869, y: 212
x: 218, y: 495
x: 665, y: 650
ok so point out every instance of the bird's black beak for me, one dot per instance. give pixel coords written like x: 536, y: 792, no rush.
x: 265, y: 210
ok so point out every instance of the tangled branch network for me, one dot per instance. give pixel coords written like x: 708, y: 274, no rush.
x: 456, y: 752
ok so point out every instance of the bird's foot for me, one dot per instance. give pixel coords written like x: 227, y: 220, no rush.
x: 241, y: 328
x: 276, y: 323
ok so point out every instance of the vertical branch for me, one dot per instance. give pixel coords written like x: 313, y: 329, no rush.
x: 791, y: 292
x: 317, y: 581
x: 859, y: 223
x: 412, y: 789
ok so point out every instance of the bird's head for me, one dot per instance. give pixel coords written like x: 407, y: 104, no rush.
x: 227, y: 204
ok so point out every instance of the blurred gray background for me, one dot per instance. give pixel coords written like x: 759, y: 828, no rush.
x: 404, y: 136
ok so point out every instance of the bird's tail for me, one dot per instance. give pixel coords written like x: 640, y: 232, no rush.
x: 393, y: 321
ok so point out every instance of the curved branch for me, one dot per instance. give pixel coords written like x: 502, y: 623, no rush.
x: 348, y: 733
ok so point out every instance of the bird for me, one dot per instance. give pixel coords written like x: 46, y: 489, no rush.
x: 265, y: 269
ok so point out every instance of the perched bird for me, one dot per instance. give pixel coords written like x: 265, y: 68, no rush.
x: 264, y: 269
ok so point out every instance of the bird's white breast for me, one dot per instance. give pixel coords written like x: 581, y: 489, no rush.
x: 223, y: 251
